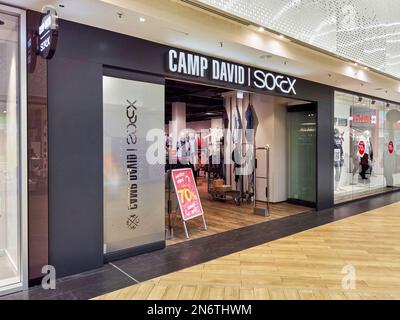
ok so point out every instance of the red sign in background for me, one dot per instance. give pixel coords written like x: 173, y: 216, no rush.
x: 187, y: 193
x: 361, y: 148
x: 391, y: 147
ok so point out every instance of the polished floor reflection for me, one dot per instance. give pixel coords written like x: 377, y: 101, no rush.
x: 355, y: 258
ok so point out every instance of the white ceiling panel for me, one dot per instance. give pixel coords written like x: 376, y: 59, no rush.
x: 364, y: 31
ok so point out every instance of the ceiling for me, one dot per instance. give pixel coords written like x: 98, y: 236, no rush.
x: 202, y: 102
x: 178, y: 24
x: 364, y: 31
x: 206, y: 102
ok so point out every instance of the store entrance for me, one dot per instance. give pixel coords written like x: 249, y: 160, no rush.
x: 241, y: 148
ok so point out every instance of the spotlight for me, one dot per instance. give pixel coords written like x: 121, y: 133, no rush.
x: 360, y: 99
x: 261, y: 29
x: 281, y: 36
x: 387, y: 105
x: 373, y: 102
x: 141, y: 19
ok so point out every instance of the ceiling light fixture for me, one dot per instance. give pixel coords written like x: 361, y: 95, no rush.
x: 281, y: 36
x: 141, y: 19
x: 261, y: 29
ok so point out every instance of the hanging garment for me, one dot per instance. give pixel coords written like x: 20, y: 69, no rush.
x: 249, y: 123
x: 235, y: 126
x: 249, y: 117
x: 235, y: 160
x: 338, y: 147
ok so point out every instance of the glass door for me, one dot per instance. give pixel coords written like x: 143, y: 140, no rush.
x: 12, y: 150
x: 302, y: 128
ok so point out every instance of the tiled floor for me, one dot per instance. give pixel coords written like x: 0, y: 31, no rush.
x: 128, y: 272
x: 319, y: 263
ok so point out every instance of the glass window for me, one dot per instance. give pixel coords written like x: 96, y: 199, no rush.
x: 364, y: 132
x: 10, y: 266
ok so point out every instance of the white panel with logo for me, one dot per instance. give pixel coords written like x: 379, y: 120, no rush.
x: 133, y: 188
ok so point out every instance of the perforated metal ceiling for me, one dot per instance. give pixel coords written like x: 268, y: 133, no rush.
x: 366, y: 31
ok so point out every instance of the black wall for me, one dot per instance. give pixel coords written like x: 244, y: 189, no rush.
x: 76, y: 133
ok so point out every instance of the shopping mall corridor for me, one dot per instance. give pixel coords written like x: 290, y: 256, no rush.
x: 354, y: 258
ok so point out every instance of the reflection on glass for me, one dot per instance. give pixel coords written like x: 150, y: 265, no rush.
x: 9, y: 153
x: 363, y: 133
x: 302, y: 155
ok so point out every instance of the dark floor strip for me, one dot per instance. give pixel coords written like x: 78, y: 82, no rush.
x: 183, y: 255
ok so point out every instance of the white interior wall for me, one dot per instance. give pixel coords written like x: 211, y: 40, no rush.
x: 198, y: 125
x: 270, y: 129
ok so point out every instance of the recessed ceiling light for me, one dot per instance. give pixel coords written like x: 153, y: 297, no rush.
x: 261, y: 29
x: 141, y: 19
x: 365, y: 68
x: 356, y: 64
x: 281, y: 36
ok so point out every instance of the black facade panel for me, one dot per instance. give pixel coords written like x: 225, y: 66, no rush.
x: 75, y: 165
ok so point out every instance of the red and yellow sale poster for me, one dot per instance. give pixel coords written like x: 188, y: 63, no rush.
x: 187, y: 193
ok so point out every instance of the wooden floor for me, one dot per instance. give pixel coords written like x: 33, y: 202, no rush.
x: 307, y: 265
x: 225, y: 215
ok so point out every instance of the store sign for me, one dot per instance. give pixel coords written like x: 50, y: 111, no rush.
x: 362, y: 118
x: 391, y: 147
x: 48, y: 34
x: 361, y: 148
x: 187, y: 193
x: 194, y: 65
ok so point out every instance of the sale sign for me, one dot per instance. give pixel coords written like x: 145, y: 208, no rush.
x: 361, y: 148
x: 391, y: 147
x: 187, y: 193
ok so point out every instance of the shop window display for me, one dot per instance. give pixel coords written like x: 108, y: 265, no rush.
x: 365, y: 147
x: 10, y: 266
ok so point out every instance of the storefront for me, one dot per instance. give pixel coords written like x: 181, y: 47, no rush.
x: 366, y: 146
x: 13, y: 183
x: 98, y: 114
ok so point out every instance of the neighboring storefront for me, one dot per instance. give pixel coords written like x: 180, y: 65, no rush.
x: 366, y: 146
x: 13, y: 183
x: 91, y: 107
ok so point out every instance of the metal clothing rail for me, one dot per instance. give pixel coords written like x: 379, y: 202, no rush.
x: 258, y: 210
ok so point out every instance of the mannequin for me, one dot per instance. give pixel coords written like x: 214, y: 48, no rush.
x: 338, y: 157
x: 368, y: 156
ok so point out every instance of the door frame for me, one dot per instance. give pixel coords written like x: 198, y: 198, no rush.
x: 312, y: 106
